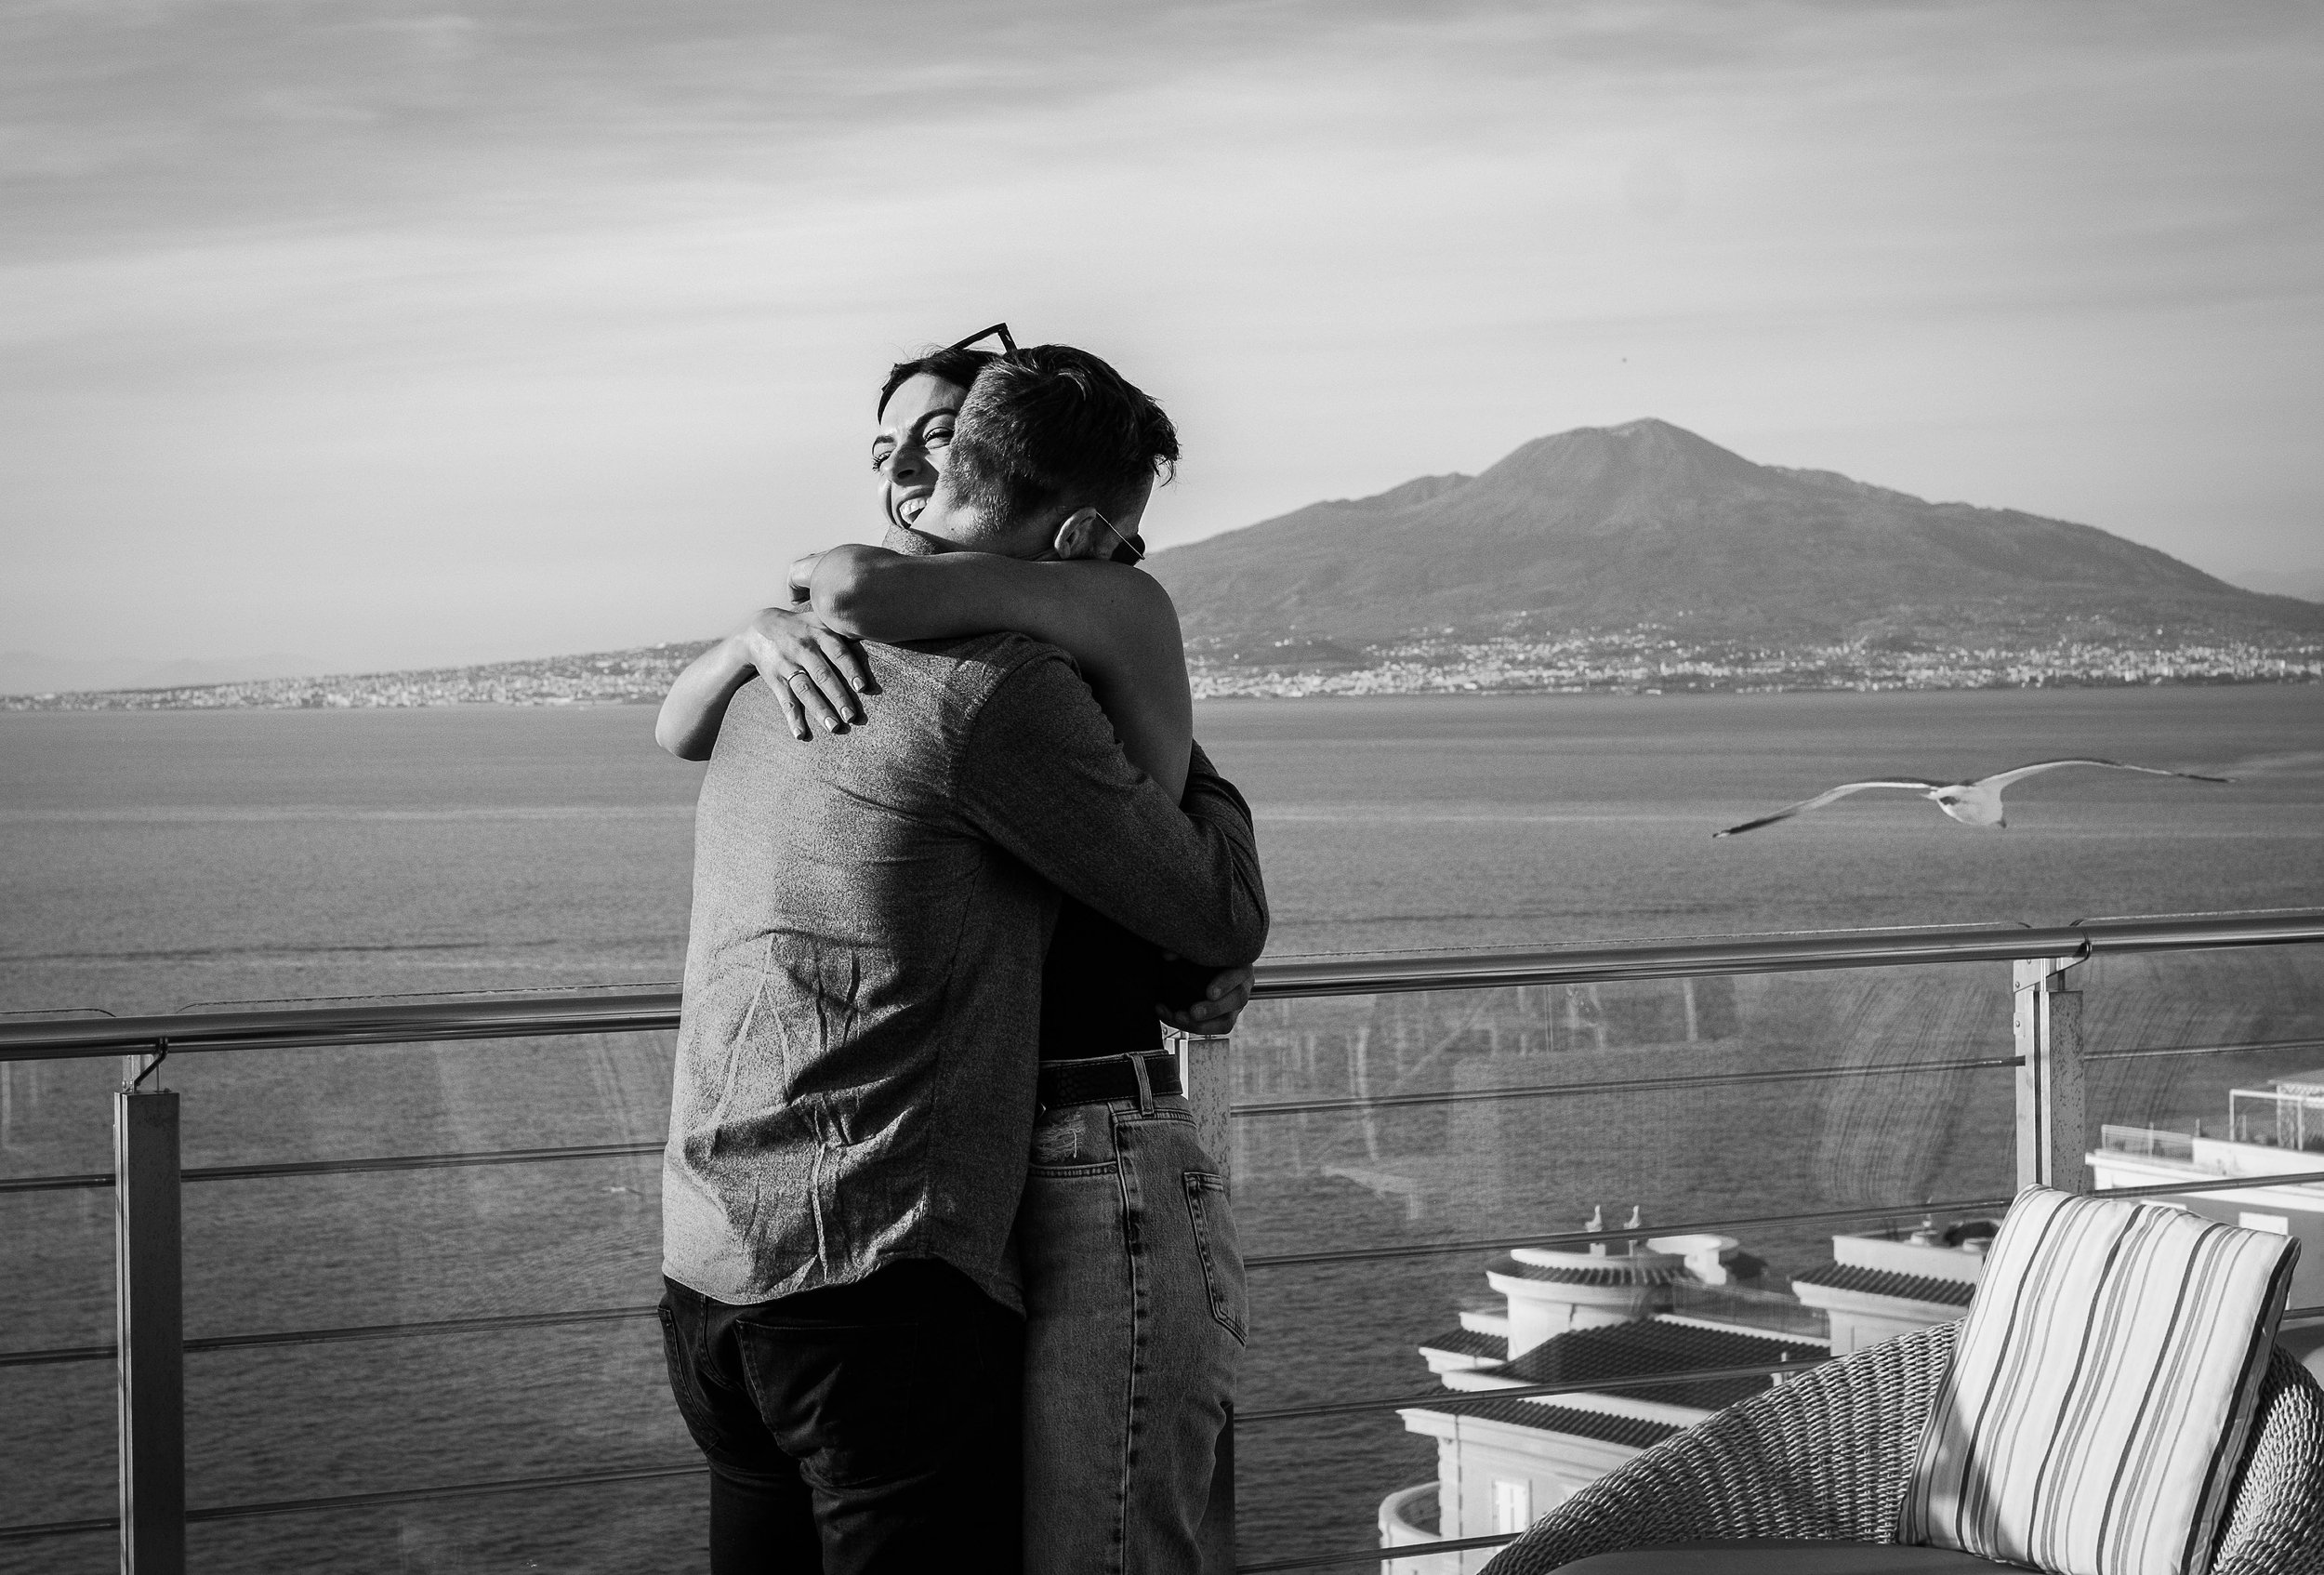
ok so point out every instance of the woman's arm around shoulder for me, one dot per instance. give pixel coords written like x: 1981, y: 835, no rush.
x: 1117, y: 622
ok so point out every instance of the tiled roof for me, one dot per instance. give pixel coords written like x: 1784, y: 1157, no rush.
x: 1625, y: 1349
x: 1616, y: 1271
x: 1636, y: 1432
x: 1888, y: 1282
x: 1468, y: 1342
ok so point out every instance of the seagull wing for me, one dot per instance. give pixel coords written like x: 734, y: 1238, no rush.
x: 2001, y: 779
x: 1914, y: 784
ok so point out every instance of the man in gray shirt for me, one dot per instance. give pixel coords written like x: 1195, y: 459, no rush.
x: 855, y: 1087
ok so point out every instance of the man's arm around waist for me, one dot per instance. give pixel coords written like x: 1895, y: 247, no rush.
x: 1043, y: 776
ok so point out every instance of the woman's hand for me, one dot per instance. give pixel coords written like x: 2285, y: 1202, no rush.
x: 1215, y: 1010
x: 787, y: 644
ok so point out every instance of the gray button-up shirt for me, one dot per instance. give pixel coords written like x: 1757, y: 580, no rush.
x: 855, y: 1061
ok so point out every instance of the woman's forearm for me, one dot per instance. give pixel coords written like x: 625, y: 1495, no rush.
x: 1118, y: 624
x: 873, y: 593
x: 688, y: 726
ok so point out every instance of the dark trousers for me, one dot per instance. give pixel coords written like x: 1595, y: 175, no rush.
x: 855, y: 1429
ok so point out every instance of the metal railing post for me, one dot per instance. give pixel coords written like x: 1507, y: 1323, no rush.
x: 2053, y: 1119
x: 1206, y: 1072
x: 150, y: 1325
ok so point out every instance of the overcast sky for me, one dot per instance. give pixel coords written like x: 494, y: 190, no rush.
x: 390, y: 335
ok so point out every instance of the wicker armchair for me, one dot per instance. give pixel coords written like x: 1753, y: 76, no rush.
x: 1828, y: 1454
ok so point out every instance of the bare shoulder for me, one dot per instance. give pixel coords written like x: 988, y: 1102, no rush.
x: 1123, y: 593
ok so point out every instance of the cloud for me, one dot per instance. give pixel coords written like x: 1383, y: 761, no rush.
x: 550, y: 317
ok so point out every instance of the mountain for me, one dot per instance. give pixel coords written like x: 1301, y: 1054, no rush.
x: 1605, y: 528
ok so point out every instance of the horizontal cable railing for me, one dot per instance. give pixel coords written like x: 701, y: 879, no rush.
x: 41, y: 1529
x: 1619, y: 1085
x: 2254, y: 1047
x: 1377, y: 1554
x: 1955, y: 1206
x: 431, y: 1329
x: 1453, y: 1399
x: 422, y: 1162
x: 1958, y: 1206
x: 354, y: 1167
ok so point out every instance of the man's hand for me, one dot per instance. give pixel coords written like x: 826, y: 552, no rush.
x: 783, y: 643
x: 1216, y: 1009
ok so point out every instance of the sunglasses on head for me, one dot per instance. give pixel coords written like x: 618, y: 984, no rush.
x: 1000, y: 330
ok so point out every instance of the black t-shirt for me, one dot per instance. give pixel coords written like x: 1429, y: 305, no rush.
x: 1098, y: 986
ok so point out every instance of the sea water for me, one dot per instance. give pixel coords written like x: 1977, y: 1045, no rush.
x: 150, y: 862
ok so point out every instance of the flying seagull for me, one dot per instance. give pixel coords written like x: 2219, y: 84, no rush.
x: 1971, y: 803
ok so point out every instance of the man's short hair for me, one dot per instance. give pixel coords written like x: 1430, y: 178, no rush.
x: 1051, y: 425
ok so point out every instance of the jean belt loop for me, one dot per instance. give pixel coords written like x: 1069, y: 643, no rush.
x: 1145, y: 1085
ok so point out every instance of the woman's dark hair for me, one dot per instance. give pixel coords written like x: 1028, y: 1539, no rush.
x: 1052, y: 424
x: 954, y: 365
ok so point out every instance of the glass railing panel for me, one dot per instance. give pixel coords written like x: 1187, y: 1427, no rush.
x: 1381, y: 1129
x: 56, y: 1270
x: 1499, y: 1112
x: 57, y: 1421
x: 561, y: 1402
x: 2219, y: 1001
x: 58, y: 1464
x: 252, y: 1106
x: 613, y: 1525
x: 55, y: 1117
x: 371, y: 1258
x: 472, y: 1236
x: 2210, y: 1067
x: 1392, y: 1136
x: 56, y: 1241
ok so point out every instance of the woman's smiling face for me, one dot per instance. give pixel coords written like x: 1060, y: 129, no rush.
x: 908, y: 455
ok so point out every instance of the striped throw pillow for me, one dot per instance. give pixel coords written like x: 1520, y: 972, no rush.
x: 2102, y: 1390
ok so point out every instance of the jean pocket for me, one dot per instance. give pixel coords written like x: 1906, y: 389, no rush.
x: 1221, y: 1247
x: 685, y: 1386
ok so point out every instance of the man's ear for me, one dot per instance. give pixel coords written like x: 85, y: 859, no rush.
x: 1083, y: 534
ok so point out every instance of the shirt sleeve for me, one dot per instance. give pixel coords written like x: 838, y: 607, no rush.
x: 1042, y: 775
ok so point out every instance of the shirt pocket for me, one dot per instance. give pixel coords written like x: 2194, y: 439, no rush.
x: 1221, y: 1247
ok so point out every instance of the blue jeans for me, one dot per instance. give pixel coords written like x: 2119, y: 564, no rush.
x: 1135, y: 1318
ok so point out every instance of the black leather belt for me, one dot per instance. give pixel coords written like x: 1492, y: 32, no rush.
x: 1106, y: 1077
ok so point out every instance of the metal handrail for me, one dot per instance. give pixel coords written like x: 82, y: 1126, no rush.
x: 654, y: 1010
x: 311, y: 1029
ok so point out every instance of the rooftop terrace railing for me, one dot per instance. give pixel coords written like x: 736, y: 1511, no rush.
x: 2047, y: 1056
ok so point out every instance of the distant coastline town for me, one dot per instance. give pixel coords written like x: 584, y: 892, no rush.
x: 1644, y: 660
